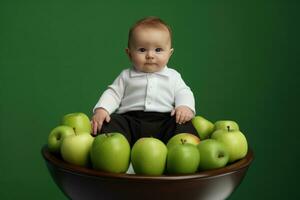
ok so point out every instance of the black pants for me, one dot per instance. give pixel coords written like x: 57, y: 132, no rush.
x: 136, y: 124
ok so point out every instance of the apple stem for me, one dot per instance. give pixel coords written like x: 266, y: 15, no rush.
x: 75, y: 131
x: 228, y: 128
x: 183, y: 141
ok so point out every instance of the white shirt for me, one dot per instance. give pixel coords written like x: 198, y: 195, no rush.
x: 157, y: 92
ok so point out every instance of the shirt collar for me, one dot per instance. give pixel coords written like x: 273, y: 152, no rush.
x: 164, y: 72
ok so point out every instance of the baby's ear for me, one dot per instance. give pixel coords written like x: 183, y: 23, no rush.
x: 171, y: 51
x: 128, y: 52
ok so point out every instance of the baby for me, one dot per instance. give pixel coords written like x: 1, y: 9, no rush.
x: 149, y: 99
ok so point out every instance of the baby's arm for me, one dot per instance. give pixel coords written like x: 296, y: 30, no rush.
x: 108, y: 102
x: 184, y: 102
x: 98, y: 118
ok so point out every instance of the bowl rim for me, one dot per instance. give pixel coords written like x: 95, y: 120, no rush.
x: 79, y: 170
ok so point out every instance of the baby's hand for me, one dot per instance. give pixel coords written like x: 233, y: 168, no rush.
x: 183, y: 114
x: 97, y: 120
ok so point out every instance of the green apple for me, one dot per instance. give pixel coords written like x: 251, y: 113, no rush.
x: 79, y: 121
x: 56, y: 137
x: 203, y: 127
x: 111, y: 153
x: 186, y: 137
x: 75, y: 149
x: 148, y: 156
x: 234, y: 141
x: 213, y: 154
x: 183, y: 158
x: 223, y: 124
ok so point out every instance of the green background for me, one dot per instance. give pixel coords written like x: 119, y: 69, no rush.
x: 239, y: 57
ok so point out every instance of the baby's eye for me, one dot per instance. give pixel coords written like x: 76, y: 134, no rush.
x: 141, y: 49
x: 158, y: 49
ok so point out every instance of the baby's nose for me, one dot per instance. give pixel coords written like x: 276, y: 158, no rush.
x: 149, y: 55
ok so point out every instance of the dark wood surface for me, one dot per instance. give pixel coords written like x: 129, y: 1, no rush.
x: 86, y: 183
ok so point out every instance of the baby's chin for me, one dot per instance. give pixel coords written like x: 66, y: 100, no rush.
x: 150, y: 68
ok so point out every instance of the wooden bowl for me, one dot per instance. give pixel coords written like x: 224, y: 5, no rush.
x: 86, y: 184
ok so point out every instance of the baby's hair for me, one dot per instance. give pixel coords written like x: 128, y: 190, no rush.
x: 151, y: 22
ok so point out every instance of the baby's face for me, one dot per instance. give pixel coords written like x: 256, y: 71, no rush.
x: 150, y: 49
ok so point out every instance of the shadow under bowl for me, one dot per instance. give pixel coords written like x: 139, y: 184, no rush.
x: 84, y: 183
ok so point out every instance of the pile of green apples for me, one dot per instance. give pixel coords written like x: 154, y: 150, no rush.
x: 218, y: 144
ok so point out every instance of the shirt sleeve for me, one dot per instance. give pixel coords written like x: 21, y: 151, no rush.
x: 183, y: 95
x: 111, y: 98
